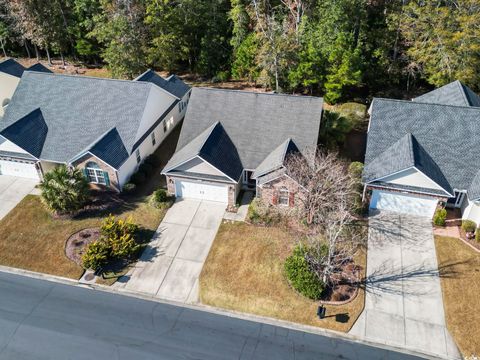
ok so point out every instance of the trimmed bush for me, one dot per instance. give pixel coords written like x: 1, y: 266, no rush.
x: 261, y: 213
x: 146, y: 168
x: 356, y: 169
x: 138, y: 178
x: 123, y: 246
x: 469, y: 226
x: 129, y: 187
x: 96, y: 255
x: 160, y: 195
x: 440, y: 217
x: 301, y: 276
x: 477, y: 236
x: 113, y: 228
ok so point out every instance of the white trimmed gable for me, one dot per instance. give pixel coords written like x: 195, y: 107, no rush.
x: 411, y: 177
x: 197, y: 165
x: 7, y: 145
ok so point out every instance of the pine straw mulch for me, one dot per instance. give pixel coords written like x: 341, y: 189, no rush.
x: 78, y: 242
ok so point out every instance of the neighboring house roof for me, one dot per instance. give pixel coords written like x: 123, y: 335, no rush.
x: 173, y: 84
x: 256, y: 123
x: 76, y: 111
x: 455, y: 93
x: 11, y: 67
x: 445, y: 137
x: 39, y: 68
x: 275, y: 159
x: 404, y: 154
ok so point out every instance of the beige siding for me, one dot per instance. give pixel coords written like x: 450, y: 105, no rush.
x: 8, y: 84
x: 7, y: 145
x: 412, y: 177
x: 197, y: 165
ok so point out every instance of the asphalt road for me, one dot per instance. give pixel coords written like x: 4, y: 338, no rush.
x: 46, y: 320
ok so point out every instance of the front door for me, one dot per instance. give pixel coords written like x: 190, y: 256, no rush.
x: 457, y: 200
x: 247, y: 179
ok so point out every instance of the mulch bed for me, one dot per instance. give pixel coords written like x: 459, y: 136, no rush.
x: 77, y: 243
x: 346, y: 287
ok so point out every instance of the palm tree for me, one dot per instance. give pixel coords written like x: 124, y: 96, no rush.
x: 64, y: 190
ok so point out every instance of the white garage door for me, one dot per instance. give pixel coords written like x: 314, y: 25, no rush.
x: 195, y: 190
x: 403, y: 203
x: 20, y: 169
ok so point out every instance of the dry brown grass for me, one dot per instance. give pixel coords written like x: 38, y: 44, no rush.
x: 244, y: 272
x: 31, y: 239
x: 461, y: 292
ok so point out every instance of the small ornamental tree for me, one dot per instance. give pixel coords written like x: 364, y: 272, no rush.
x: 64, y: 190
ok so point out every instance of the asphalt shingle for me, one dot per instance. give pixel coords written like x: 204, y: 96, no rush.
x: 12, y: 67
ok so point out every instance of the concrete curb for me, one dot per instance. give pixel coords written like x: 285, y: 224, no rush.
x: 218, y: 311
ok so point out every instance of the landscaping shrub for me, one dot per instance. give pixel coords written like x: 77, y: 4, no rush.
x: 96, y: 255
x: 356, y: 169
x: 302, y: 278
x: 129, y: 187
x: 138, y: 178
x: 64, y: 190
x: 123, y: 246
x: 469, y: 226
x: 355, y: 112
x: 112, y: 228
x: 146, y: 168
x: 153, y: 160
x: 160, y: 199
x: 477, y: 236
x: 440, y: 217
x: 261, y: 213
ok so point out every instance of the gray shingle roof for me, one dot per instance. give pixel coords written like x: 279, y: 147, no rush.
x: 39, y: 68
x: 77, y: 110
x: 448, y: 134
x: 214, y: 146
x: 12, y: 67
x: 173, y: 84
x: 402, y: 155
x: 256, y: 123
x: 29, y: 132
x: 275, y: 159
x: 110, y: 148
x: 455, y: 93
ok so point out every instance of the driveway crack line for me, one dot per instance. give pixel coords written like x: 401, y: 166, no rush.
x: 178, y: 248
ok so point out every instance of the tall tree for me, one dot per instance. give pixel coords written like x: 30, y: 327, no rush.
x: 119, y: 27
x: 442, y: 39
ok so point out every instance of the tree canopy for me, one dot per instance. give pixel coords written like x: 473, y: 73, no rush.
x: 333, y: 48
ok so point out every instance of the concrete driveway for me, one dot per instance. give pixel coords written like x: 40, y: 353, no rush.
x: 403, y: 305
x: 12, y: 191
x: 170, y: 266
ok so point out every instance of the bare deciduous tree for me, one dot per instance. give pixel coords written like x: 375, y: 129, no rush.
x: 328, y: 207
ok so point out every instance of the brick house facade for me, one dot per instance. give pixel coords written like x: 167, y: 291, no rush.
x: 109, y: 174
x: 282, y: 191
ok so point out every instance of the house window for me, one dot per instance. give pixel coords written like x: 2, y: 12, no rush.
x: 283, y: 196
x: 180, y: 107
x: 164, y: 126
x: 137, y: 154
x: 154, y: 141
x: 95, y: 174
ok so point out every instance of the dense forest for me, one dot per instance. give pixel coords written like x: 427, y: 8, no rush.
x: 331, y: 47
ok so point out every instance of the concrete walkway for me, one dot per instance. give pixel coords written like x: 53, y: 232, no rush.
x: 403, y: 305
x: 242, y: 211
x: 12, y: 191
x: 170, y: 266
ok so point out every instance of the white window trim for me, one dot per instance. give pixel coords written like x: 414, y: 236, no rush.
x: 138, y: 156
x: 96, y: 176
x: 284, y: 189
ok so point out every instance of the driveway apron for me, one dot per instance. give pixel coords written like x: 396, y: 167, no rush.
x: 403, y: 304
x: 170, y: 266
x: 12, y: 191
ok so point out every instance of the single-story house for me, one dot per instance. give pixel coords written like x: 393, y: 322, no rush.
x: 424, y: 151
x: 232, y: 140
x: 10, y: 74
x: 105, y: 127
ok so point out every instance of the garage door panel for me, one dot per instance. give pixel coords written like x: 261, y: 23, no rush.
x: 201, y: 191
x: 403, y: 203
x: 19, y: 169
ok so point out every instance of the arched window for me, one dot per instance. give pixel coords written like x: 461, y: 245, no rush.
x: 94, y: 173
x: 283, y: 196
x: 5, y: 102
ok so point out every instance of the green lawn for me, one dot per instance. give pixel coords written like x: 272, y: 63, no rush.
x: 31, y: 239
